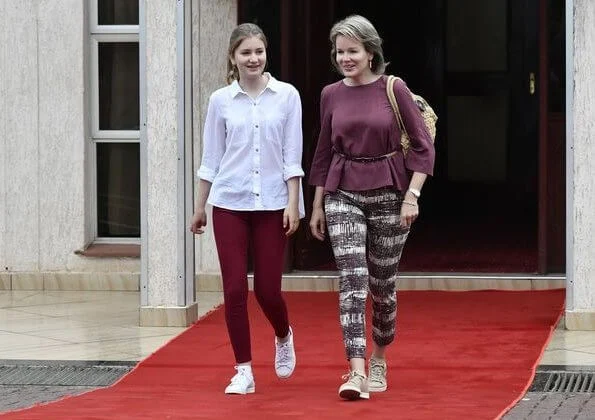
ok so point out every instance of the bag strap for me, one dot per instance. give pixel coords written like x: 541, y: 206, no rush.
x: 390, y: 92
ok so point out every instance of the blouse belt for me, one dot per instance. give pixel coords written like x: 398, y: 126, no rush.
x: 365, y: 159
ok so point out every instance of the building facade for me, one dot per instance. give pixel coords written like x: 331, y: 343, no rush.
x: 102, y: 104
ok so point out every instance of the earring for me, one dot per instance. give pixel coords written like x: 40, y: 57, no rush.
x: 370, y: 64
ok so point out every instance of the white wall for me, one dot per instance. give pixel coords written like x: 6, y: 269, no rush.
x: 43, y: 130
x: 582, y: 186
x: 62, y: 134
x: 44, y: 137
x: 212, y: 22
x: 22, y: 200
x: 3, y: 142
x: 161, y: 75
x: 212, y: 25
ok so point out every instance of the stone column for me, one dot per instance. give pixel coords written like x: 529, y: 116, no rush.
x: 580, y: 108
x: 167, y: 276
x: 213, y: 21
x: 43, y: 136
x: 19, y: 154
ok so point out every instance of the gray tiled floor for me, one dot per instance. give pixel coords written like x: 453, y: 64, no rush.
x: 37, y: 325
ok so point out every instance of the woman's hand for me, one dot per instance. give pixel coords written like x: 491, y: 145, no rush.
x: 198, y: 221
x: 409, y: 212
x: 291, y: 220
x: 318, y: 223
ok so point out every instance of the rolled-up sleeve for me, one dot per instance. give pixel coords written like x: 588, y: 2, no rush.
x: 323, y: 154
x: 421, y: 155
x: 293, y: 138
x: 213, y: 140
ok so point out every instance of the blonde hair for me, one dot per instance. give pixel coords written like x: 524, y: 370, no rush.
x: 240, y: 33
x: 359, y: 29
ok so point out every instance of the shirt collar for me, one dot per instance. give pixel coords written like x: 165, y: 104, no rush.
x: 273, y: 85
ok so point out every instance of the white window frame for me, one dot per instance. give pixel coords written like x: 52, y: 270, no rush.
x: 96, y: 28
x: 94, y: 73
x: 104, y: 33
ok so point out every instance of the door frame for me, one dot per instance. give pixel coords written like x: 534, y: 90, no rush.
x: 302, y: 20
x: 554, y: 139
x: 542, y: 237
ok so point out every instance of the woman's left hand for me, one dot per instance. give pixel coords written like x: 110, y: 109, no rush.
x: 291, y: 220
x: 409, y: 212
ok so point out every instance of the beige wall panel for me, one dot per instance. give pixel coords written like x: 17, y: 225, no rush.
x: 21, y: 221
x: 583, y: 185
x: 62, y: 136
x: 213, y: 21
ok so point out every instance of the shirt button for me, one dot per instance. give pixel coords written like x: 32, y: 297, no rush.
x: 256, y: 172
x: 257, y: 150
x: 258, y: 195
x: 256, y: 126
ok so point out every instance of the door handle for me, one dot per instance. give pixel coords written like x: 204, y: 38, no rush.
x: 531, y: 83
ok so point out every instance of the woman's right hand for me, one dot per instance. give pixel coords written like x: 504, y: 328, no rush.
x: 318, y: 223
x: 198, y: 221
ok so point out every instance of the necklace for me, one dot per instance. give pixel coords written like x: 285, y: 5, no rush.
x: 254, y: 89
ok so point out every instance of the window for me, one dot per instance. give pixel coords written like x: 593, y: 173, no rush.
x: 114, y: 119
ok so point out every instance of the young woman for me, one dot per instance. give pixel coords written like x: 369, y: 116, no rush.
x: 250, y: 173
x: 369, y: 190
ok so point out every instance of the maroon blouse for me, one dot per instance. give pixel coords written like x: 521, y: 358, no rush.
x: 358, y: 121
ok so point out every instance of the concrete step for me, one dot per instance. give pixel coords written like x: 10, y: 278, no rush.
x: 326, y: 281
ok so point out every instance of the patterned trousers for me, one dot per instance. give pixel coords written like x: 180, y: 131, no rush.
x: 367, y: 240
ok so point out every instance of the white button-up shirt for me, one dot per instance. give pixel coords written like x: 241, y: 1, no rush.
x: 251, y: 147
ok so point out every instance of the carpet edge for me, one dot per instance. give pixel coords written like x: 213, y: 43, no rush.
x: 534, y: 367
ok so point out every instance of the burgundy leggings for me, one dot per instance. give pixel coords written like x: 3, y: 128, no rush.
x: 234, y: 230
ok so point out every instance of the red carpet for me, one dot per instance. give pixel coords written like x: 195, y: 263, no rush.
x: 458, y: 355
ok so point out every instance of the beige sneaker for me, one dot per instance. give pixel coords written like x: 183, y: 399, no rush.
x: 355, y: 388
x: 377, y: 375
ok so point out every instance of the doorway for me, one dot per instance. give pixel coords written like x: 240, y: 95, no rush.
x: 478, y: 65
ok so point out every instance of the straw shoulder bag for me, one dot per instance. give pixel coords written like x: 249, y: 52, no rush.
x: 427, y: 113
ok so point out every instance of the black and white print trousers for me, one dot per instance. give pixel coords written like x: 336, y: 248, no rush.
x: 367, y: 239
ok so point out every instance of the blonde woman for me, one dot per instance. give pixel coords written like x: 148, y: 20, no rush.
x: 250, y: 173
x: 366, y: 193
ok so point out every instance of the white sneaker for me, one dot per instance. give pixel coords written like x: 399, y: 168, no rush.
x: 242, y: 382
x: 285, y: 357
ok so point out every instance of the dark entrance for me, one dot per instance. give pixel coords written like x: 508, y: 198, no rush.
x: 482, y: 67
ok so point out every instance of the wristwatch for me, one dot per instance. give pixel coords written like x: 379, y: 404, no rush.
x: 415, y: 192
